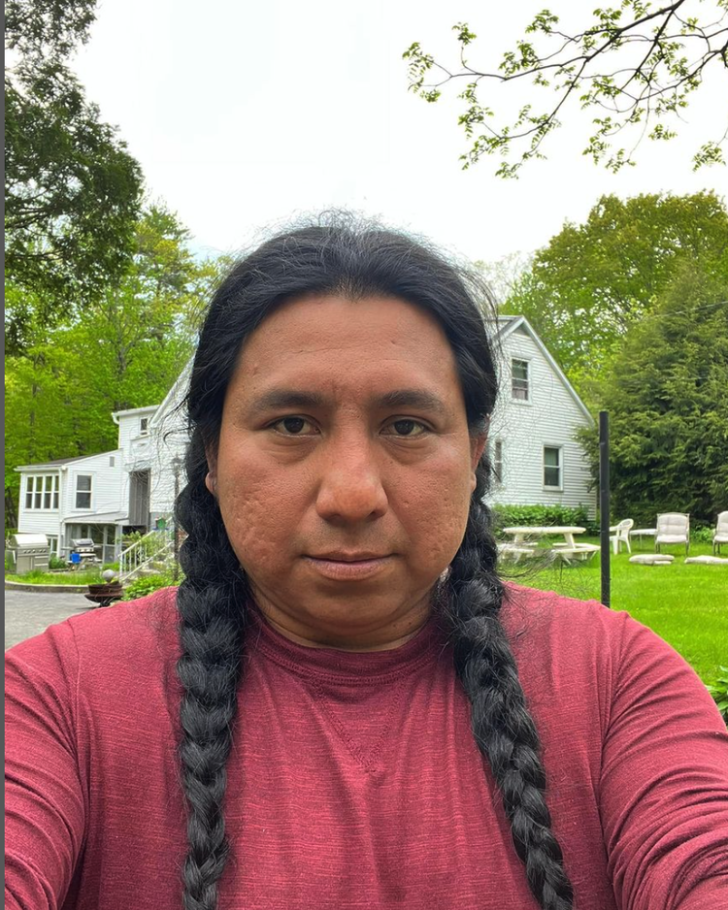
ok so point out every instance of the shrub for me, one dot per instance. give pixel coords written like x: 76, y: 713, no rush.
x: 702, y: 535
x: 54, y: 562
x: 720, y: 693
x: 146, y: 584
x: 541, y: 516
x: 9, y: 561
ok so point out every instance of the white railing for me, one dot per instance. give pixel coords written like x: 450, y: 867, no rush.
x: 154, y: 547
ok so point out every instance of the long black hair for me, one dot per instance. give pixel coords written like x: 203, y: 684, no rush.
x: 341, y: 256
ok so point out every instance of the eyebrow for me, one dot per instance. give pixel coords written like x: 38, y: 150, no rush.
x: 283, y: 399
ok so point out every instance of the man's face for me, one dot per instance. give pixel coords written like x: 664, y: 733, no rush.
x: 345, y: 468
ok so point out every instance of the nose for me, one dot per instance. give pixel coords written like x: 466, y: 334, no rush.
x: 351, y: 488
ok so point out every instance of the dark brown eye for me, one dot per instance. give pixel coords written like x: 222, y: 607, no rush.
x: 408, y: 428
x: 293, y: 425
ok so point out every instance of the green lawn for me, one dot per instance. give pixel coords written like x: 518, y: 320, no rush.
x: 687, y: 605
x: 37, y: 577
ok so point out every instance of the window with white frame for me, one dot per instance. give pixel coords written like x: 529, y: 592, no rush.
x: 83, y: 491
x: 52, y: 544
x: 552, y: 467
x: 519, y: 380
x: 498, y: 461
x: 144, y: 426
x: 41, y: 491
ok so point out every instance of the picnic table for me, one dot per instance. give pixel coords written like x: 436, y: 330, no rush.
x: 567, y: 550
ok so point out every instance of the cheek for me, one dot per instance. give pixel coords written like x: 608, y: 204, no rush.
x: 437, y: 515
x: 259, y: 516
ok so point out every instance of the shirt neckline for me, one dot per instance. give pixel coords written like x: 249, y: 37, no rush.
x: 345, y: 667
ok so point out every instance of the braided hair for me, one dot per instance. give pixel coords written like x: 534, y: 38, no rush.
x: 340, y: 256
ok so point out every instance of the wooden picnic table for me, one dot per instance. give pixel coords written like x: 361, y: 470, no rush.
x: 522, y: 533
x: 567, y: 551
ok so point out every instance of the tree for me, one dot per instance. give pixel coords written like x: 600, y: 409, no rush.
x: 72, y: 191
x: 634, y: 66
x: 666, y: 394
x: 124, y: 350
x: 593, y: 281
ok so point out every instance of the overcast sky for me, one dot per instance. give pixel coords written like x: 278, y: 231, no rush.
x: 246, y: 114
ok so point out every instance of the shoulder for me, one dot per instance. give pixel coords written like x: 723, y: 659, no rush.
x: 587, y: 656
x: 136, y: 631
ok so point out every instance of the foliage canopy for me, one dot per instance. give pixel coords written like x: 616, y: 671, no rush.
x: 633, y: 65
x: 666, y: 395
x: 72, y: 190
x: 593, y: 281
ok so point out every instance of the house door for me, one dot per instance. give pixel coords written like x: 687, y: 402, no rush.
x: 139, y: 499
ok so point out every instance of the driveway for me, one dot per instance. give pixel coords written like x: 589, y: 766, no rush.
x: 28, y: 613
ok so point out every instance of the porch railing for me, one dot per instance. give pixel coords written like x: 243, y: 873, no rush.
x: 151, y: 551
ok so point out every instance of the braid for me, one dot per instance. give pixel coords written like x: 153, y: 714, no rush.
x: 211, y: 603
x: 503, y: 728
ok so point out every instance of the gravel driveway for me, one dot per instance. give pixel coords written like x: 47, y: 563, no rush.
x: 28, y: 613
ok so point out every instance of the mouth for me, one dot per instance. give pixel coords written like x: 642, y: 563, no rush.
x: 343, y: 566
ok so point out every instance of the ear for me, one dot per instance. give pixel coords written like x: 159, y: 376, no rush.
x: 477, y: 447
x: 211, y: 477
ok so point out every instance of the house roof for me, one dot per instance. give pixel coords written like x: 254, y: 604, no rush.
x: 509, y: 324
x: 50, y: 464
x: 97, y: 518
x: 145, y: 410
x: 172, y: 396
x: 60, y: 462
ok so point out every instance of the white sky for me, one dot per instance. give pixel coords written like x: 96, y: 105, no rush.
x: 245, y: 114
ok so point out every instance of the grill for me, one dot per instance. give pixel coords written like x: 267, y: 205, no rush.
x: 31, y: 551
x: 83, y: 551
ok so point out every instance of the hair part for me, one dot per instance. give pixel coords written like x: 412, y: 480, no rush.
x: 341, y: 256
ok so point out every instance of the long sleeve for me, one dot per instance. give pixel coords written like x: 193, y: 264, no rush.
x: 664, y: 782
x: 45, y: 803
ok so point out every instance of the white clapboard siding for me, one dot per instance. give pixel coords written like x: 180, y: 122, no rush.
x: 106, y: 472
x: 551, y: 417
x: 39, y: 521
x: 170, y: 430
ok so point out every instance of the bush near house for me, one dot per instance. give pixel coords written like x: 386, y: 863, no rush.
x: 147, y: 584
x: 505, y: 516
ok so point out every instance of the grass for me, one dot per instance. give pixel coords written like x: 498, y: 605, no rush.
x: 80, y: 577
x: 686, y: 605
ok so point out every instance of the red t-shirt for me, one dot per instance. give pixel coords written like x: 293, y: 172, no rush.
x: 354, y: 779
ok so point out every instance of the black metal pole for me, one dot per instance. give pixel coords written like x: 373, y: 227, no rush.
x: 604, y: 504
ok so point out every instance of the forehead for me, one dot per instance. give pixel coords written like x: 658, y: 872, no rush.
x: 348, y: 347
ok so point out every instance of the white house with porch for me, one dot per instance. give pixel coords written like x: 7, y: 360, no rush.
x: 532, y: 439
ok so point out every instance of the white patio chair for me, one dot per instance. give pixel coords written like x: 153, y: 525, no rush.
x: 721, y: 532
x: 622, y: 535
x: 673, y: 527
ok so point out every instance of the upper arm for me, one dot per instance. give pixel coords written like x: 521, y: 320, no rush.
x: 45, y: 801
x: 664, y: 782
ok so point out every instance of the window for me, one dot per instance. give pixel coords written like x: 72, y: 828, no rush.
x: 144, y: 426
x: 112, y: 461
x: 52, y: 544
x: 498, y: 461
x: 552, y: 467
x: 83, y: 491
x: 519, y: 380
x: 41, y: 492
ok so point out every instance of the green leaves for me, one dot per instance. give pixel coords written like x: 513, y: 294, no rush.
x: 630, y: 63
x: 720, y: 693
x: 593, y: 281
x: 125, y: 352
x: 72, y: 191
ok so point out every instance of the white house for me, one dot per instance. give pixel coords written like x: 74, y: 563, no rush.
x: 533, y: 445
x: 532, y: 441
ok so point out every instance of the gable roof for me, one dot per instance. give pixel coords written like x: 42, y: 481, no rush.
x: 507, y: 325
x: 175, y: 394
x: 61, y: 462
